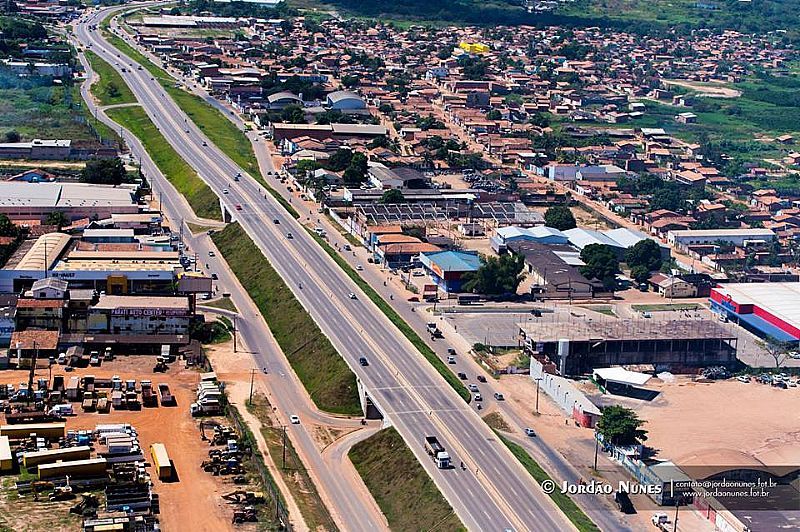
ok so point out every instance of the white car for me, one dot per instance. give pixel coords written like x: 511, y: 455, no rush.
x: 743, y: 378
x: 211, y: 254
x: 529, y: 432
x: 224, y: 190
x: 295, y: 420
x: 351, y: 295
x: 359, y: 268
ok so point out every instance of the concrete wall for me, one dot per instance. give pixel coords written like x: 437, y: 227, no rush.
x: 568, y: 398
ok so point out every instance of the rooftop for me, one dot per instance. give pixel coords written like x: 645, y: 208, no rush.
x: 55, y: 194
x: 644, y: 329
x: 44, y: 252
x: 782, y: 300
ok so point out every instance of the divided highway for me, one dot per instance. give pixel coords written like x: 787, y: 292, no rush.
x: 494, y: 492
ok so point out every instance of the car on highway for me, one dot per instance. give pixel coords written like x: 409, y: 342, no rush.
x: 499, y: 396
x: 289, y: 236
x: 215, y: 276
x: 473, y: 387
x: 211, y: 254
x: 363, y: 361
x: 295, y: 420
x: 238, y: 206
x: 359, y: 268
x: 224, y: 190
x: 276, y: 221
x: 529, y: 432
x: 451, y: 360
x: 477, y: 397
x: 462, y: 376
x: 237, y: 176
x: 481, y: 378
x: 413, y: 299
x: 351, y: 295
x: 205, y: 143
x: 347, y: 247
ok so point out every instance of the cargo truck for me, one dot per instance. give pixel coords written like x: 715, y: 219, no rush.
x: 205, y: 408
x: 165, y: 396
x: 437, y: 451
x: 148, y: 396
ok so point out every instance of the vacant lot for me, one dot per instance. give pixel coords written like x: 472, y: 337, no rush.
x: 323, y: 372
x: 37, y: 109
x: 402, y: 488
x: 182, y: 176
x: 691, y: 417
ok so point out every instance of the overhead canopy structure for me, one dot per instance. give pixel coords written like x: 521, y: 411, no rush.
x: 621, y: 376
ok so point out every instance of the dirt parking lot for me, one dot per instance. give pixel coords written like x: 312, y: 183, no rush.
x: 191, y: 503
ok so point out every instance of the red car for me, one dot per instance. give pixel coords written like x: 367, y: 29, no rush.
x: 413, y: 299
x: 238, y: 207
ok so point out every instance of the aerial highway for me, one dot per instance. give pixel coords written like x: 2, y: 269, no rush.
x: 493, y: 492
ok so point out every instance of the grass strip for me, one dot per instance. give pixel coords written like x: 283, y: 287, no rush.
x: 182, y: 176
x: 581, y: 521
x: 292, y: 470
x: 256, y: 468
x: 109, y: 88
x: 323, y: 372
x: 402, y: 488
x: 224, y: 303
x: 397, y: 320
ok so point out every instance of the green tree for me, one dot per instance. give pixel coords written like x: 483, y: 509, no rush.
x: 112, y: 91
x: 777, y: 349
x: 350, y: 81
x: 645, y: 253
x: 6, y: 227
x: 600, y: 263
x: 393, y: 196
x: 339, y: 160
x: 621, y: 426
x: 496, y: 275
x: 57, y: 218
x: 560, y: 217
x: 12, y: 136
x: 293, y: 114
x: 640, y: 274
x: 356, y: 171
x: 104, y: 171
x: 494, y: 114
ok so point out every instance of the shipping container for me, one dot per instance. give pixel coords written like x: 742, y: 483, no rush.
x: 93, y: 467
x: 50, y: 456
x: 51, y: 431
x: 161, y: 461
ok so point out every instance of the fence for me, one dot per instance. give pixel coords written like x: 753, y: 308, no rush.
x: 281, y: 514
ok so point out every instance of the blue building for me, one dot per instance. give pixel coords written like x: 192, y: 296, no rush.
x: 447, y: 268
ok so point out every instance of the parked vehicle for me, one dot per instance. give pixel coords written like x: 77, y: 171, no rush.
x: 473, y: 387
x: 295, y: 420
x: 462, y: 376
x: 165, y: 396
x: 437, y: 451
x: 481, y: 378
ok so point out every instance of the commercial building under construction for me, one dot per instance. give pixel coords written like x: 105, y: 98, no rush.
x: 577, y: 347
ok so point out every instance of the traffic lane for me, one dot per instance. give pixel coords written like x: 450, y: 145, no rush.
x: 352, y: 511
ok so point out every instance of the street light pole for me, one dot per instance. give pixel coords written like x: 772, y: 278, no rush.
x: 537, y: 393
x: 252, y: 378
x: 596, y: 445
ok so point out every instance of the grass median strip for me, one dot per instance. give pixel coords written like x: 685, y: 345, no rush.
x: 397, y: 320
x: 182, y: 176
x: 323, y: 372
x: 291, y: 467
x: 402, y: 488
x: 109, y: 88
x: 581, y: 521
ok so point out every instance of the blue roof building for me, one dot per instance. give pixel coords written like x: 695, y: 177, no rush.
x: 447, y: 268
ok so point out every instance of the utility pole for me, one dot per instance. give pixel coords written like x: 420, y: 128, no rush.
x: 596, y: 445
x: 283, y: 466
x: 252, y: 378
x: 234, y: 333
x: 538, y: 379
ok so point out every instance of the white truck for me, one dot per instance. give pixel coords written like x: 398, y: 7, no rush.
x: 205, y: 408
x: 437, y: 451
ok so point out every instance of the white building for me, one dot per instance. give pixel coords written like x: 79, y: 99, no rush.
x: 736, y: 237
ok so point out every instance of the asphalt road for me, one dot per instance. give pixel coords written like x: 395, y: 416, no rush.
x: 494, y: 492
